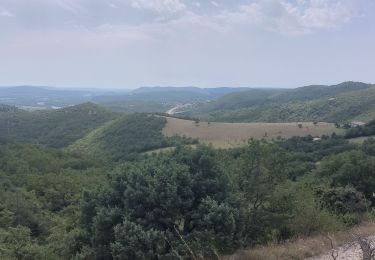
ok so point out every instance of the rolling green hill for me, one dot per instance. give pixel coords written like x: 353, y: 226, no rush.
x: 339, y: 103
x: 126, y: 137
x: 88, y: 129
x: 54, y: 128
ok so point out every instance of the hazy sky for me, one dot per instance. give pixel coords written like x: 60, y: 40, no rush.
x: 130, y: 43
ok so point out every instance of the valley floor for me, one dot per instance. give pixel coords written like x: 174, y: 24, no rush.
x: 225, y: 135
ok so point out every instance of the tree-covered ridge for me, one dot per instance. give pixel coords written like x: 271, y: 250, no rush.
x: 54, y: 128
x: 127, y: 137
x: 361, y: 131
x: 339, y: 103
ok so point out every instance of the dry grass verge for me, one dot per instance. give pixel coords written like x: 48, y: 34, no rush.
x: 304, y: 247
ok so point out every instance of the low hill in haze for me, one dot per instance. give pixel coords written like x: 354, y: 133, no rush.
x: 37, y: 98
x: 144, y: 99
x: 160, y: 99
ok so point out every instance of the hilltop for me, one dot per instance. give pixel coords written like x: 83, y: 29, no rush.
x: 126, y: 137
x: 338, y: 103
x: 54, y: 128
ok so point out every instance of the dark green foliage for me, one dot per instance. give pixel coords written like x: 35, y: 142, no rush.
x: 344, y: 200
x: 54, y: 128
x: 133, y: 242
x: 39, y: 198
x: 369, y: 146
x: 134, y: 134
x: 350, y: 168
x: 366, y: 130
x: 165, y: 197
x: 127, y: 137
x: 188, y: 202
x: 307, y: 148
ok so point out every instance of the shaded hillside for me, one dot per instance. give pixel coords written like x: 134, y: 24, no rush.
x: 54, y: 128
x: 338, y: 103
x: 126, y: 137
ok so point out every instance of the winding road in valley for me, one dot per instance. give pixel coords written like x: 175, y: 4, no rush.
x: 175, y: 109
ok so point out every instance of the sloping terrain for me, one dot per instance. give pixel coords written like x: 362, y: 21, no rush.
x: 160, y: 99
x: 54, y: 128
x: 339, y: 103
x: 126, y: 137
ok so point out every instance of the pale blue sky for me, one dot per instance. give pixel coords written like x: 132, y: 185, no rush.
x: 131, y: 43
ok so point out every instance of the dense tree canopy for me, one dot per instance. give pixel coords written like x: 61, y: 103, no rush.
x: 187, y: 202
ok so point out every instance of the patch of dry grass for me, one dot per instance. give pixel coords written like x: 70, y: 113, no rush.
x: 304, y: 247
x: 226, y: 135
x: 360, y: 140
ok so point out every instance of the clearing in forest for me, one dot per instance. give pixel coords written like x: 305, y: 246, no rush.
x: 234, y: 134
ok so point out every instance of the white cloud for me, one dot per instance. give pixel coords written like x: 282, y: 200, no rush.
x: 112, y: 5
x: 215, y: 3
x: 5, y: 12
x: 292, y: 17
x: 160, y: 6
x: 70, y: 5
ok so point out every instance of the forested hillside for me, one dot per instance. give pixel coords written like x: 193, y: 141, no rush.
x: 127, y: 137
x: 54, y: 128
x: 340, y: 103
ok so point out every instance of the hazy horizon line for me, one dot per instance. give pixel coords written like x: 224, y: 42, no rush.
x: 122, y: 88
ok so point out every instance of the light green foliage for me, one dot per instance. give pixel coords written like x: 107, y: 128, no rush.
x: 17, y: 243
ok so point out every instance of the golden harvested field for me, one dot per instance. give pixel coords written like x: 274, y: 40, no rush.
x: 234, y: 134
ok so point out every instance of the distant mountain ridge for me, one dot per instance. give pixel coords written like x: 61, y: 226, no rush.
x: 335, y: 103
x: 341, y: 102
x: 144, y: 99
